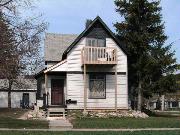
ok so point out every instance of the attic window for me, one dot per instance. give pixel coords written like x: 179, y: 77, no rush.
x: 93, y: 42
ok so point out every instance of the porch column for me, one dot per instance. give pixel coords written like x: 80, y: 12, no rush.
x: 46, y: 88
x: 154, y: 104
x: 165, y: 105
x: 170, y: 104
x: 162, y: 103
x: 116, y: 88
x: 85, y: 89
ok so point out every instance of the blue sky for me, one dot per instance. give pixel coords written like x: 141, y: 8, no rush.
x: 68, y: 16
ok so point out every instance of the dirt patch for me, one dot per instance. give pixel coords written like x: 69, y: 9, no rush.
x: 33, y: 114
x: 12, y: 113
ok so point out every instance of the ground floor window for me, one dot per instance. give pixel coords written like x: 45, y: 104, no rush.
x: 97, y: 86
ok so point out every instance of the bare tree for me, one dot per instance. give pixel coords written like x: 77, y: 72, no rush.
x: 20, y: 40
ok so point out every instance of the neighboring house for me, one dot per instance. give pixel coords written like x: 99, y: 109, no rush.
x: 171, y: 101
x: 23, y: 93
x: 95, y: 55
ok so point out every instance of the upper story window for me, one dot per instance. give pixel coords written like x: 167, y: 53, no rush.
x: 93, y: 42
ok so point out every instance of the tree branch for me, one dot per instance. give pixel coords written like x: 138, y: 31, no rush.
x: 6, y: 3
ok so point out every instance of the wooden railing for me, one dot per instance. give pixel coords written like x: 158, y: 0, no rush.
x: 99, y: 55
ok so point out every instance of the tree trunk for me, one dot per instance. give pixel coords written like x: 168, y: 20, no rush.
x: 162, y: 103
x: 139, y: 108
x: 148, y: 107
x: 9, y: 99
x: 9, y: 93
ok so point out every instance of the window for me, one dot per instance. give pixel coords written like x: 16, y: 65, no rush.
x: 93, y: 42
x: 97, y: 86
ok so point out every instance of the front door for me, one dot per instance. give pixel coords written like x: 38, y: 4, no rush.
x: 57, y: 86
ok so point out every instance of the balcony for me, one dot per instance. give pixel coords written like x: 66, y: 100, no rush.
x: 99, y: 55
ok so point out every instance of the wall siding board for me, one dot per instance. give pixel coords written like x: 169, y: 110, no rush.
x: 75, y: 92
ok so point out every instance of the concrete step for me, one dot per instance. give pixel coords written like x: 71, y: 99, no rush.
x: 56, y: 112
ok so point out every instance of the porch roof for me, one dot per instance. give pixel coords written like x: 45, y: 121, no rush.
x: 61, y: 66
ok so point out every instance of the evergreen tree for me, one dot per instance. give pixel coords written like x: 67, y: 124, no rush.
x: 150, y: 61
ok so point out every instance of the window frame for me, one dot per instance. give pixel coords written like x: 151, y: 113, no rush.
x: 96, y: 42
x: 97, y: 74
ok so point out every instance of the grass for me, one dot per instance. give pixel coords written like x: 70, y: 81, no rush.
x: 9, y: 119
x: 16, y: 123
x: 92, y: 133
x: 151, y: 122
x: 167, y: 114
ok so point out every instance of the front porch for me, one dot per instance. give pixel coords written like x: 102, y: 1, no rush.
x: 55, y: 91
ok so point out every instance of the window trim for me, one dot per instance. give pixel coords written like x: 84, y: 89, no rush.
x: 90, y: 97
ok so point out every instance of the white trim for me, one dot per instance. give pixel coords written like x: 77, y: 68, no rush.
x: 55, y: 66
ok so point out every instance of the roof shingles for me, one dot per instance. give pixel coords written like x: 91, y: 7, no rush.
x: 56, y: 44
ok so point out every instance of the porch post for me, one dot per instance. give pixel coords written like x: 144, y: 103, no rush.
x: 162, y: 102
x: 46, y: 88
x: 85, y: 89
x: 116, y: 88
x: 170, y: 104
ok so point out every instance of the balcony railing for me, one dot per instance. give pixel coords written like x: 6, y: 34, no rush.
x: 99, y: 55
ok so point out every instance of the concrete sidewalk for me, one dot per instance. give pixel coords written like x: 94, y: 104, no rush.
x: 59, y: 123
x: 93, y: 130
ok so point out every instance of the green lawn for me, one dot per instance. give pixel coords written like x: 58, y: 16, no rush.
x: 9, y: 119
x: 92, y: 133
x: 16, y: 123
x: 151, y: 122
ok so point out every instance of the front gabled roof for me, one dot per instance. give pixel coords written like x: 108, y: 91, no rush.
x: 97, y: 19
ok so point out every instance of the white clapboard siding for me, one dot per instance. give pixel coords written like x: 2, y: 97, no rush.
x: 121, y: 56
x: 60, y: 68
x: 74, y: 56
x: 75, y: 91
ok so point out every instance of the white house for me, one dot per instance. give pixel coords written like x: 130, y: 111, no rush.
x: 86, y: 71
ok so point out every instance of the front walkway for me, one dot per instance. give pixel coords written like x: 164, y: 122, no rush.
x: 59, y: 123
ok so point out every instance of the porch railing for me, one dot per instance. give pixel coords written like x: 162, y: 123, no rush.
x: 99, y: 55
